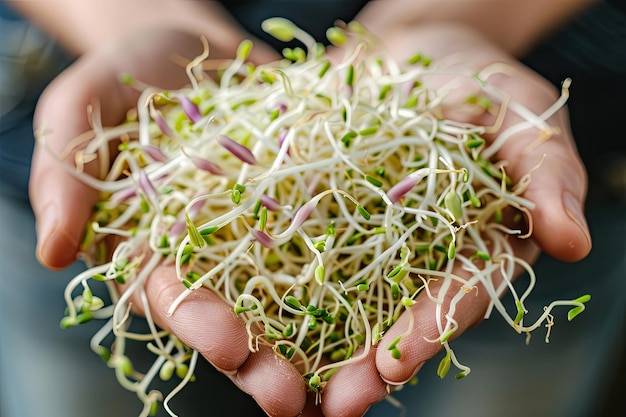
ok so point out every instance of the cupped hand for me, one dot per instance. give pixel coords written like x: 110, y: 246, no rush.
x: 558, y: 187
x: 63, y: 204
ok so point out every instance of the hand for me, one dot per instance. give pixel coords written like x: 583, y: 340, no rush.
x: 558, y: 189
x: 63, y: 204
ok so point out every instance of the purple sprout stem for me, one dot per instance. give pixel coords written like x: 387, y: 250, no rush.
x: 237, y: 149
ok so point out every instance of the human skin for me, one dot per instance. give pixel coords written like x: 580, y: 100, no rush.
x: 63, y: 205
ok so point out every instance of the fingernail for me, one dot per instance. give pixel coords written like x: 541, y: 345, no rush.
x: 45, y: 227
x: 58, y: 252
x: 574, y: 211
x: 396, y: 383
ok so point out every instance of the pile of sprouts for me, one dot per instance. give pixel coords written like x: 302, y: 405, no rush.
x: 317, y: 199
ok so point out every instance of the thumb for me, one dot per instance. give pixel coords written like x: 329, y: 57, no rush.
x: 556, y: 180
x: 61, y: 202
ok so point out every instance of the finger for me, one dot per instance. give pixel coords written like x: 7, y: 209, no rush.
x: 209, y: 325
x: 546, y: 154
x: 558, y: 182
x: 63, y: 204
x: 418, y: 326
x: 559, y: 185
x: 202, y: 321
x: 311, y: 408
x: 273, y: 382
x: 354, y: 388
x: 417, y: 347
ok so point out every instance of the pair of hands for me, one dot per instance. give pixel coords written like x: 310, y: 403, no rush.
x: 63, y: 205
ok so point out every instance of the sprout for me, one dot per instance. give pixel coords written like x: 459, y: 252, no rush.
x: 237, y: 149
x: 280, y: 28
x: 320, y: 202
x: 189, y: 107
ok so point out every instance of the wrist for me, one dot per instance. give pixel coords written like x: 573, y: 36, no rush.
x: 514, y: 26
x: 83, y: 25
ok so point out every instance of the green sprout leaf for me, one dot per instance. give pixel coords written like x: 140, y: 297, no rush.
x: 444, y: 337
x: 578, y: 309
x: 451, y: 250
x: 454, y: 203
x: 244, y: 49
x: 280, y: 28
x: 293, y: 302
x: 364, y: 213
x: 320, y: 271
x: 336, y: 36
x: 167, y: 370
x: 314, y: 383
x: 444, y: 366
x: 520, y: 312
x: 194, y: 235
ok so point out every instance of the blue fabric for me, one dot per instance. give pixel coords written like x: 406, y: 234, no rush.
x: 29, y: 60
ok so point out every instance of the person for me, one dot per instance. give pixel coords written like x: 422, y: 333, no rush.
x: 45, y: 373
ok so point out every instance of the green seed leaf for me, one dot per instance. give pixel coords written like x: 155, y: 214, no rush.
x: 293, y: 302
x: 324, y: 69
x: 574, y: 312
x: 583, y: 299
x: 407, y: 301
x: 475, y: 143
x: 280, y: 28
x: 288, y: 332
x: 520, y: 312
x: 454, y: 203
x: 347, y: 138
x: 167, y: 370
x: 236, y: 196
x: 364, y: 213
x: 415, y: 59
x: 368, y: 131
x: 395, y: 353
x: 444, y: 337
x: 207, y: 231
x: 195, y: 238
x: 87, y: 296
x: 451, y: 250
x: 395, y: 291
x: 84, y: 317
x: 244, y: 49
x: 444, y: 366
x: 320, y: 271
x: 181, y: 370
x: 482, y: 255
x: 350, y: 75
x: 314, y: 383
x: 461, y: 375
x: 384, y: 91
x: 154, y: 408
x: 373, y: 181
x: 393, y: 345
x: 336, y: 36
x: 67, y: 322
x: 263, y: 219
